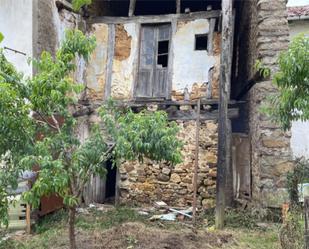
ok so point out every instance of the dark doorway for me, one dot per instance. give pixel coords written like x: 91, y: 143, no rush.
x: 110, y: 182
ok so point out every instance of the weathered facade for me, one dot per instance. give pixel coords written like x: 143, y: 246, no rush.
x: 159, y: 59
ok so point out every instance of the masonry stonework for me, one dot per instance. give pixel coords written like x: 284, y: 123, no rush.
x: 148, y: 182
x: 271, y: 154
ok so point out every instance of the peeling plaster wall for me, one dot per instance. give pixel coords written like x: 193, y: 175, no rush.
x: 126, y: 53
x: 96, y: 69
x: 190, y: 66
x: 17, y: 33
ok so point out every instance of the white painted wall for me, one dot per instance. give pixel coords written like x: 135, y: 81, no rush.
x: 300, y: 130
x: 189, y: 65
x: 16, y: 26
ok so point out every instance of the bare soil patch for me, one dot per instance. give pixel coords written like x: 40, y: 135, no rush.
x: 138, y: 236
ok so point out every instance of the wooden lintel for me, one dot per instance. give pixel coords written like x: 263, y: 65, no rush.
x: 141, y: 103
x: 174, y: 115
x: 156, y: 18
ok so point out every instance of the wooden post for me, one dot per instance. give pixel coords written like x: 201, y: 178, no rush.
x: 132, y: 7
x: 224, y: 131
x: 306, y: 208
x: 197, y: 144
x: 178, y: 6
x: 28, y: 218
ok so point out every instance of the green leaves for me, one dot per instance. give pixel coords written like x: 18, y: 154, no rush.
x: 1, y: 37
x: 77, y: 4
x: 53, y: 89
x: 144, y: 134
x: 292, y: 80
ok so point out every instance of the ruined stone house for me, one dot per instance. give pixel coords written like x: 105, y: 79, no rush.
x: 161, y: 55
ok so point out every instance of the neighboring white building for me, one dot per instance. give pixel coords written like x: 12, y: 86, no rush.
x: 16, y: 25
x: 298, y: 17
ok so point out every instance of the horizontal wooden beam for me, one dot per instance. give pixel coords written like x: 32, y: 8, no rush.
x: 141, y: 103
x: 204, y: 115
x: 156, y: 18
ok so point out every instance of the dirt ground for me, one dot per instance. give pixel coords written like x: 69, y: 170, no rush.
x: 138, y: 236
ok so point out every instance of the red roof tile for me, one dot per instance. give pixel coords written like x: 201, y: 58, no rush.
x: 298, y: 11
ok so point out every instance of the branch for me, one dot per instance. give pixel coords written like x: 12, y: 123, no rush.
x: 46, y: 121
x: 56, y: 123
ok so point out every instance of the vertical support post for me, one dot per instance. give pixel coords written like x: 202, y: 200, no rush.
x: 197, y: 144
x: 306, y: 208
x: 178, y: 6
x: 132, y: 7
x: 28, y: 218
x: 224, y: 131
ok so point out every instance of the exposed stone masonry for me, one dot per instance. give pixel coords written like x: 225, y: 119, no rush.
x: 271, y: 154
x: 149, y: 182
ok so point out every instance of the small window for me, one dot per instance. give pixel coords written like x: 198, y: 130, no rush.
x: 201, y: 42
x: 163, y: 53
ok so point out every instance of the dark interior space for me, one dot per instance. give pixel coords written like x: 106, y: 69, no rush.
x: 149, y: 7
x: 196, y: 5
x: 241, y: 64
x: 110, y: 181
x: 201, y: 42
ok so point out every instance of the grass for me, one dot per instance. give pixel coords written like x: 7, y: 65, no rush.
x: 51, y: 231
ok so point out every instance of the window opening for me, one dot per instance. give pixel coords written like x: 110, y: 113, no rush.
x: 201, y: 42
x: 163, y: 53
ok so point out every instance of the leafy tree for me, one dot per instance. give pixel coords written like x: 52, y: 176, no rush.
x: 77, y: 4
x: 16, y: 130
x: 291, y: 103
x: 66, y: 164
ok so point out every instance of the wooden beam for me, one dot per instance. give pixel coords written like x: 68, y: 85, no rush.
x: 155, y: 18
x: 110, y: 60
x: 178, y: 6
x: 306, y: 208
x: 197, y: 144
x: 204, y: 115
x: 132, y: 8
x: 224, y: 131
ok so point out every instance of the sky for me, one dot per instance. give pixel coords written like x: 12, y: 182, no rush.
x: 298, y: 2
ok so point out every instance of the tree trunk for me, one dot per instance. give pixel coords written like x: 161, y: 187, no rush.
x: 72, y: 212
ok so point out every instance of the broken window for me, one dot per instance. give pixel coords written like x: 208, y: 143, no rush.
x: 153, y: 65
x: 163, y: 53
x: 201, y: 42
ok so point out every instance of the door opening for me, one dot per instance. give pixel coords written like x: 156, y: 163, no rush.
x: 110, y: 186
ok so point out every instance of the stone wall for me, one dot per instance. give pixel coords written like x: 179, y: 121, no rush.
x: 149, y: 182
x: 271, y: 154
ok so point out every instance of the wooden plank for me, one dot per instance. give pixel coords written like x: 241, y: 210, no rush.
x: 28, y: 219
x: 197, y: 145
x: 110, y: 58
x: 132, y: 8
x: 306, y: 208
x: 223, y: 130
x: 178, y: 6
x: 204, y: 115
x: 156, y: 18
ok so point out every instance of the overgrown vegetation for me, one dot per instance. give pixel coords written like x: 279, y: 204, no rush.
x: 50, y: 233
x: 299, y: 175
x: 290, y: 103
x: 65, y: 164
